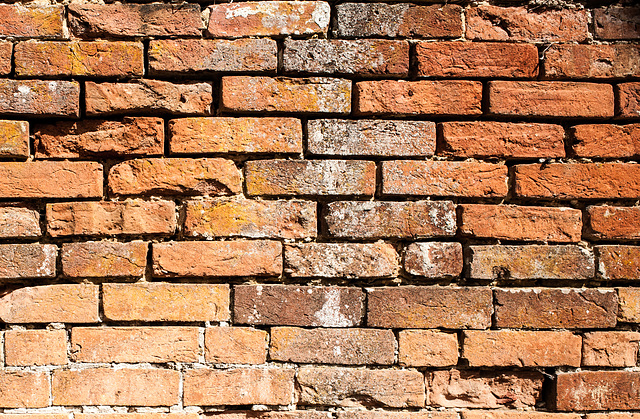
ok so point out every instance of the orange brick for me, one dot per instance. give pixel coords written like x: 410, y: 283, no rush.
x: 6, y: 55
x: 146, y: 415
x: 24, y: 389
x: 433, y: 259
x: 40, y: 98
x: 614, y: 222
x: 614, y: 22
x: 515, y: 414
x: 37, y: 416
x: 38, y: 21
x: 104, y: 259
x: 592, y: 61
x: 380, y: 414
x: 610, y: 349
x: 33, y: 260
x: 628, y: 100
x: 14, y: 139
x: 594, y: 140
x: 235, y: 345
x: 600, y: 390
x: 295, y: 414
x: 19, y: 222
x: 629, y: 305
x: 618, y: 262
x: 35, y: 347
x: 427, y: 348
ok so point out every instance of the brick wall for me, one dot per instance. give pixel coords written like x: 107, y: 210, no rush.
x: 306, y: 210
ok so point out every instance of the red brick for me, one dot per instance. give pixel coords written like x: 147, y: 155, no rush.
x: 427, y: 348
x: 38, y: 21
x: 14, y: 139
x: 122, y: 387
x: 310, y: 177
x: 104, y: 259
x: 166, y: 302
x: 18, y: 222
x: 40, y: 98
x: 292, y: 305
x: 79, y: 58
x: 6, y: 54
x: 628, y: 100
x: 614, y: 222
x: 429, y: 307
x: 549, y: 308
x: 522, y: 24
x: 433, y: 259
x: 212, y: 176
x: 380, y: 414
x: 146, y: 415
x: 219, y: 258
x: 610, y: 349
x: 235, y: 345
x: 592, y: 61
x: 476, y: 59
x: 134, y: 20
x: 516, y: 414
x: 89, y: 138
x: 35, y: 347
x: 252, y: 414
x: 50, y: 179
x: 24, y: 389
x: 488, y: 139
x: 281, y: 94
x: 444, y: 178
x: 617, y: 262
x: 332, y: 346
x: 22, y: 261
x: 597, y: 390
x: 595, y: 140
x: 578, y: 180
x: 614, y: 22
x: 240, y: 386
x: 551, y: 99
x: 629, y: 305
x: 236, y: 135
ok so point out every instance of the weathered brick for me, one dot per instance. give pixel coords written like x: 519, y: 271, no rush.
x: 176, y: 56
x: 219, y: 258
x: 270, y: 386
x: 592, y: 61
x: 614, y: 222
x: 549, y: 308
x: 50, y: 179
x: 476, y: 59
x: 610, y: 349
x: 35, y: 347
x: 6, y: 55
x: 369, y: 219
x: 614, y: 22
x: 380, y: 414
x: 40, y: 98
x: 484, y: 139
x: 332, y: 346
x: 24, y: 389
x: 51, y: 303
x: 521, y: 24
x: 37, y: 21
x: 291, y: 305
x: 433, y: 259
x: 36, y: 415
x: 551, y: 99
x: 427, y: 348
x: 618, y: 262
x: 79, y: 58
x: 629, y: 305
x: 145, y: 415
x: 595, y: 140
x: 294, y: 414
x: 429, y: 307
x: 134, y: 20
x: 281, y: 94
x: 89, y: 138
x: 335, y: 386
x: 104, y: 259
x: 148, y: 96
x: 398, y: 20
x: 14, y: 139
x: 22, y: 261
x: 444, y: 178
x: 178, y: 176
x: 628, y: 100
x: 166, y: 302
x: 135, y: 344
x: 363, y: 57
x: 578, y: 180
x: 18, y: 222
x: 122, y: 387
x: 613, y: 415
x: 235, y: 345
x: 236, y: 135
x: 516, y: 414
x: 484, y: 389
x: 597, y: 390
x: 310, y: 177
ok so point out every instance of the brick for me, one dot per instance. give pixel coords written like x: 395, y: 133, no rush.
x: 64, y: 303
x: 310, y: 177
x: 380, y: 414
x: 149, y: 97
x: 444, y: 178
x: 235, y: 345
x: 429, y: 307
x: 281, y: 94
x: 592, y: 61
x: 50, y: 179
x: 489, y: 139
x: 178, y: 176
x: 122, y: 387
x: 22, y: 261
x: 274, y: 18
x: 610, y: 349
x: 484, y: 389
x: 578, y: 180
x: 146, y: 415
x: 36, y: 415
x: 79, y: 58
x: 134, y: 20
x: 337, y: 56
x: 628, y: 100
x: 179, y: 56
x: 520, y: 24
x: 594, y: 140
x: 42, y: 21
x: 618, y: 262
x: 612, y: 415
x: 252, y: 414
x: 433, y: 259
x: 349, y: 387
x: 104, y: 259
x: 598, y: 390
x: 332, y: 346
x: 515, y: 414
x: 270, y: 386
x: 549, y: 308
x: 6, y: 55
x: 614, y: 22
x: 35, y: 347
x: 14, y: 139
x: 614, y: 222
x: 24, y: 389
x: 40, y: 98
x: 475, y: 59
x: 292, y: 305
x: 551, y: 99
x: 629, y: 305
x: 166, y: 302
x: 369, y: 219
x: 135, y: 344
x: 129, y: 217
x: 427, y: 348
x: 93, y: 138
x: 398, y: 20
x: 18, y: 222
x: 341, y: 260
x: 236, y: 135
